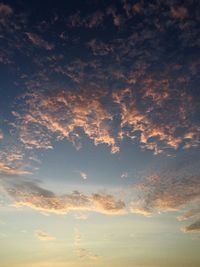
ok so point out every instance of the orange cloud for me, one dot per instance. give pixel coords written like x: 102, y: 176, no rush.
x: 62, y: 115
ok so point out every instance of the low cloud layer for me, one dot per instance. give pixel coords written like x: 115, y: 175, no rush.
x: 28, y: 193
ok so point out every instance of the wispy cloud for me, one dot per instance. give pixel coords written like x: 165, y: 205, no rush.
x: 80, y: 250
x: 39, y: 41
x: 43, y: 236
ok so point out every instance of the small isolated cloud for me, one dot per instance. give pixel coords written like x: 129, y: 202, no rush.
x: 5, y: 10
x: 178, y: 12
x: 43, y: 236
x: 124, y: 175
x: 83, y: 175
x: 39, y: 41
x: 1, y: 135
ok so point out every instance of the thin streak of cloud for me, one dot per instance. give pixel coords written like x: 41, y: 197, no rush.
x: 43, y: 236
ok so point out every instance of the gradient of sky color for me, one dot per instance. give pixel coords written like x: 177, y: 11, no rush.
x: 100, y: 133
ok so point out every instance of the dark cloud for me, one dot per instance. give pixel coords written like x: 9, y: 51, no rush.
x: 194, y: 227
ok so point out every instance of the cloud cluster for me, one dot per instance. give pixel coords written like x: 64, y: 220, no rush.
x: 154, y: 98
x: 174, y: 189
x: 63, y: 115
x: 30, y: 194
x: 69, y: 114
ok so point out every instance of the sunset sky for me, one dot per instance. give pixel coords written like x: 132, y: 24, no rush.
x: 100, y: 133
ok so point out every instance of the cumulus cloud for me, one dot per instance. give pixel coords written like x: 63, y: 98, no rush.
x: 29, y: 193
x: 43, y: 236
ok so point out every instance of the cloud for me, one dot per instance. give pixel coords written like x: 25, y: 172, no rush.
x: 9, y: 170
x: 140, y: 210
x: 62, y: 115
x: 28, y: 193
x: 178, y: 12
x: 150, y: 126
x: 83, y: 175
x: 124, y: 175
x: 108, y: 204
x: 5, y: 10
x: 168, y: 193
x: 175, y: 188
x: 1, y: 135
x: 91, y: 21
x: 189, y: 214
x: 194, y: 227
x: 80, y: 251
x: 117, y: 19
x: 38, y: 41
x: 43, y: 236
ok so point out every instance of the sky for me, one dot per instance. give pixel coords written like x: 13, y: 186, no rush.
x: 99, y: 133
